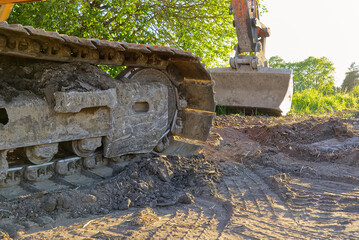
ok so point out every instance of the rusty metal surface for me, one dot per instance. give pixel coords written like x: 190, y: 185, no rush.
x: 43, y: 33
x: 251, y: 32
x: 133, y: 47
x: 110, y: 44
x: 41, y: 44
x: 244, y: 11
x: 4, y: 26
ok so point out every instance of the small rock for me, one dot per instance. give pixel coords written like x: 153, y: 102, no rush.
x: 50, y: 204
x: 27, y: 70
x: 134, y: 175
x: 76, y: 214
x: 125, y: 204
x: 153, y: 203
x: 186, y: 198
x: 30, y: 224
x: 89, y: 198
x: 104, y: 211
x: 42, y: 221
x: 165, y: 194
x: 64, y: 201
x: 162, y: 169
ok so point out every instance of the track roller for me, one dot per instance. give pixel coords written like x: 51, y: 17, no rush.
x: 85, y: 147
x: 42, y: 153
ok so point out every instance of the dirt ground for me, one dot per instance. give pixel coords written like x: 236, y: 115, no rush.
x: 257, y: 178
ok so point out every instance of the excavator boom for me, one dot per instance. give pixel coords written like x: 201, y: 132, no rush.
x: 249, y: 84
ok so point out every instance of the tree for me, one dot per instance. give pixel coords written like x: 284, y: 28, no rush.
x: 351, y: 78
x: 311, y: 73
x: 201, y: 26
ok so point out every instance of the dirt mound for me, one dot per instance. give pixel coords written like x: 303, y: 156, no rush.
x: 257, y: 177
x: 308, y: 138
x: 148, y: 181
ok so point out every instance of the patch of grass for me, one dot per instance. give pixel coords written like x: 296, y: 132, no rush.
x: 313, y: 102
x: 223, y: 110
x: 310, y: 102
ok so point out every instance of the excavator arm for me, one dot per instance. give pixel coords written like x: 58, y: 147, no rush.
x: 5, y: 10
x: 249, y: 84
x: 250, y: 31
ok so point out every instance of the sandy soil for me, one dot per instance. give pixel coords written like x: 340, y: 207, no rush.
x: 257, y: 178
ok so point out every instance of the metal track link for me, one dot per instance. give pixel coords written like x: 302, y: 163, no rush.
x: 69, y: 172
x: 23, y: 41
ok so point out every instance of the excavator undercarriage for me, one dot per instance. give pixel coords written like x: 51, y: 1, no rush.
x: 62, y: 113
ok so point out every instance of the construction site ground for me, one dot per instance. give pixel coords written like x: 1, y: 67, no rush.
x: 257, y: 177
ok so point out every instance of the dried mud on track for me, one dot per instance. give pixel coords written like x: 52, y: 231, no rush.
x: 257, y: 178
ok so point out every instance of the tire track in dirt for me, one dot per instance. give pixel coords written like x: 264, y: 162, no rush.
x: 207, y: 223
x: 272, y: 217
x: 197, y: 221
x: 326, y: 204
x: 165, y: 227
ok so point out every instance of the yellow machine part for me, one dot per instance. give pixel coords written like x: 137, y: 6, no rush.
x: 5, y: 11
x: 7, y: 5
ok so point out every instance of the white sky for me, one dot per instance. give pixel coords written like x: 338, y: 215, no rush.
x: 303, y: 28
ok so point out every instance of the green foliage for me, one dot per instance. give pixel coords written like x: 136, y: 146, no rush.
x: 311, y: 73
x: 313, y: 101
x: 355, y: 91
x: 351, y: 78
x: 223, y: 110
x: 201, y: 26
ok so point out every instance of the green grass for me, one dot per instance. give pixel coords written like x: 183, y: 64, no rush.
x: 313, y: 102
x: 222, y: 110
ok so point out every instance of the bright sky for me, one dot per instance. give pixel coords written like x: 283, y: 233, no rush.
x: 303, y: 28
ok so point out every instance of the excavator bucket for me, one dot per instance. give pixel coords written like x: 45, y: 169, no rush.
x: 268, y: 90
x: 249, y: 85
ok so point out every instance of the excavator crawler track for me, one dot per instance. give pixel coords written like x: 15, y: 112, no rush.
x: 63, y: 120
